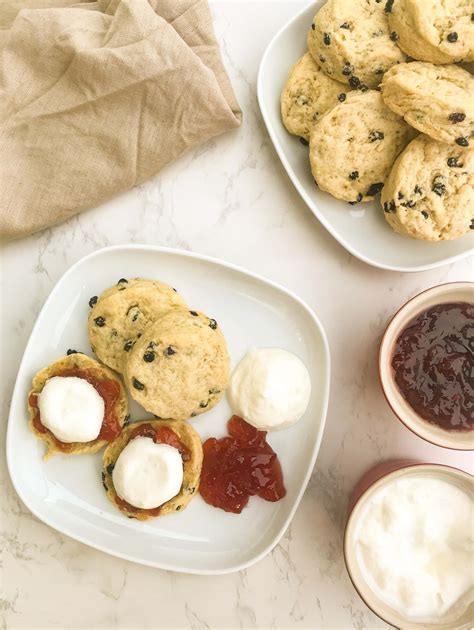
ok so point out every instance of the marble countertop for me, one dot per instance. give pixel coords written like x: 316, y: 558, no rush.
x: 231, y: 199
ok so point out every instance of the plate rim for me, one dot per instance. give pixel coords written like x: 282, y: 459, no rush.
x: 314, y: 208
x: 316, y: 447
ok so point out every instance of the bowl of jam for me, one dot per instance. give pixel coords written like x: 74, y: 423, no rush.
x: 426, y: 364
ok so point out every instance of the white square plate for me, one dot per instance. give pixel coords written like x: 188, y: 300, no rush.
x: 66, y: 492
x: 361, y: 229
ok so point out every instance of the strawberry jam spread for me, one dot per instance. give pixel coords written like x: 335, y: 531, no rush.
x: 159, y: 435
x: 433, y: 364
x: 107, y: 388
x: 238, y: 467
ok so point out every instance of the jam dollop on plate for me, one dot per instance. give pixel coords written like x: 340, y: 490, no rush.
x: 240, y: 466
x: 433, y: 365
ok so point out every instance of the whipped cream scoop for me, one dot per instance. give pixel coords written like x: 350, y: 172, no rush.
x: 71, y: 408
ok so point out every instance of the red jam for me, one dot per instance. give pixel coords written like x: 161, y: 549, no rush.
x: 159, y: 435
x: 108, y: 389
x: 433, y: 364
x: 238, y: 467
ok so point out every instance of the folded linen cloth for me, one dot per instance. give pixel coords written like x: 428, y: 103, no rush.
x: 96, y: 97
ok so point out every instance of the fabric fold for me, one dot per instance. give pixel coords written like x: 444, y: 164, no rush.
x: 96, y: 97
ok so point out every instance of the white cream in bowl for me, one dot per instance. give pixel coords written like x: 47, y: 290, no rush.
x: 409, y: 547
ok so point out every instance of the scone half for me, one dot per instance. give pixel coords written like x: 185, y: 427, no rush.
x: 108, y: 385
x: 176, y: 433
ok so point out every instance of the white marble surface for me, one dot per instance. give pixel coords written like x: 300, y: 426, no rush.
x: 231, y: 199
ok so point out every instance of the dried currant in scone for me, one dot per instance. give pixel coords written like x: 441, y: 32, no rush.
x: 374, y: 189
x: 457, y: 117
x: 438, y: 185
x: 376, y: 135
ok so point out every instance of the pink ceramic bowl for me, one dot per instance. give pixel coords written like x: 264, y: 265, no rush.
x: 459, y: 618
x: 441, y: 294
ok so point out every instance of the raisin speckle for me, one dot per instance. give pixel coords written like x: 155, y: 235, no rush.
x: 453, y: 162
x: 122, y: 280
x: 374, y: 189
x: 354, y: 81
x: 71, y: 351
x: 93, y: 301
x: 354, y: 175
x: 471, y: 227
x: 212, y: 324
x: 342, y: 97
x: 203, y: 405
x: 178, y: 507
x: 348, y: 69
x: 313, y: 26
x: 394, y: 36
x: 457, y: 117
x: 149, y: 357
x: 194, y: 313
x: 462, y: 142
x: 409, y: 204
x: 110, y: 468
x: 388, y: 6
x: 452, y: 37
x: 99, y: 321
x: 417, y: 190
x: 438, y: 186
x: 359, y: 198
x: 322, y: 58
x: 304, y: 141
x: 376, y: 135
x: 194, y: 414
x: 389, y: 206
x: 379, y: 70
x: 127, y: 346
x: 400, y: 195
x: 126, y: 420
x: 136, y: 383
x: 169, y: 351
x: 103, y: 482
x: 345, y: 25
x: 363, y: 87
x: 424, y: 214
x: 327, y: 39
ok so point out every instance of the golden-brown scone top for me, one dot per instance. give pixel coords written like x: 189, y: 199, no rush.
x: 60, y: 367
x: 120, y: 314
x: 188, y: 437
x: 179, y: 368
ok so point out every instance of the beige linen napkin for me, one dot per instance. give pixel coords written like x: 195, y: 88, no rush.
x: 96, y: 97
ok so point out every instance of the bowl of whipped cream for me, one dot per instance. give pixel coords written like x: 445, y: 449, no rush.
x: 409, y: 544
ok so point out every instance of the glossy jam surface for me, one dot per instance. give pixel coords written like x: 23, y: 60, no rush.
x: 159, y: 435
x: 107, y: 388
x: 238, y: 467
x: 433, y: 365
